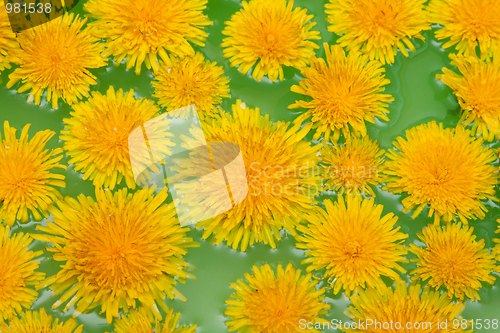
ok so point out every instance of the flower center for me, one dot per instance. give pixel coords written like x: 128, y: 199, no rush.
x: 272, y: 310
x: 481, y: 20
x: 353, y: 249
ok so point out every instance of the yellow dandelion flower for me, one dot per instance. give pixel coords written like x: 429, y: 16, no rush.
x: 26, y: 183
x: 120, y: 249
x: 353, y: 166
x: 274, y: 303
x: 445, y: 169
x: 191, y: 80
x: 345, y: 91
x: 280, y: 173
x: 96, y: 137
x: 39, y: 321
x: 406, y: 308
x: 354, y: 242
x: 139, y: 322
x: 271, y: 34
x: 378, y: 27
x: 454, y: 259
x: 478, y: 92
x: 56, y: 56
x: 7, y: 39
x: 467, y: 24
x: 17, y: 273
x: 142, y: 30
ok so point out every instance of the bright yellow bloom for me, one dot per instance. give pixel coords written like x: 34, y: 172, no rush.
x: 7, y: 39
x: 478, y: 92
x: 191, y: 80
x: 345, y: 92
x: 280, y: 173
x: 139, y: 322
x: 271, y: 34
x: 26, y: 183
x: 39, y: 322
x: 454, y: 259
x: 118, y: 250
x: 142, y: 30
x: 17, y: 273
x: 353, y: 166
x: 353, y: 242
x: 378, y: 27
x: 467, y: 23
x: 274, y: 303
x: 96, y: 137
x: 404, y: 307
x: 56, y: 56
x: 445, y: 169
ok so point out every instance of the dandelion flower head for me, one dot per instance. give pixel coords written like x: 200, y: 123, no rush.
x: 401, y: 305
x: 120, y: 251
x: 467, y: 24
x: 271, y: 34
x: 96, y: 137
x: 345, y: 91
x: 191, y: 80
x: 453, y: 258
x: 445, y: 169
x: 142, y: 30
x: 56, y: 57
x: 477, y: 88
x: 353, y: 242
x: 17, y: 273
x: 274, y: 303
x: 39, y: 322
x: 27, y: 183
x: 378, y: 27
x: 7, y: 38
x: 280, y: 177
x: 353, y: 166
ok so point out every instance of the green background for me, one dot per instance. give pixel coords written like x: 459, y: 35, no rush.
x: 419, y: 98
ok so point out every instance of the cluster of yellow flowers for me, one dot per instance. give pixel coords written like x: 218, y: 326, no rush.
x: 123, y: 249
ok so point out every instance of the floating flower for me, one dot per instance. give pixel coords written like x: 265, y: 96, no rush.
x: 345, y: 92
x: 467, y: 23
x: 353, y: 242
x: 271, y: 34
x: 274, y: 303
x: 118, y: 250
x: 191, y: 80
x: 142, y: 30
x: 7, y: 39
x: 353, y: 166
x: 139, y: 322
x: 39, y: 321
x: 378, y: 27
x: 407, y: 309
x: 478, y: 92
x: 280, y: 177
x: 26, y: 182
x: 454, y: 259
x: 17, y: 273
x: 96, y: 137
x: 56, y: 56
x: 445, y: 169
